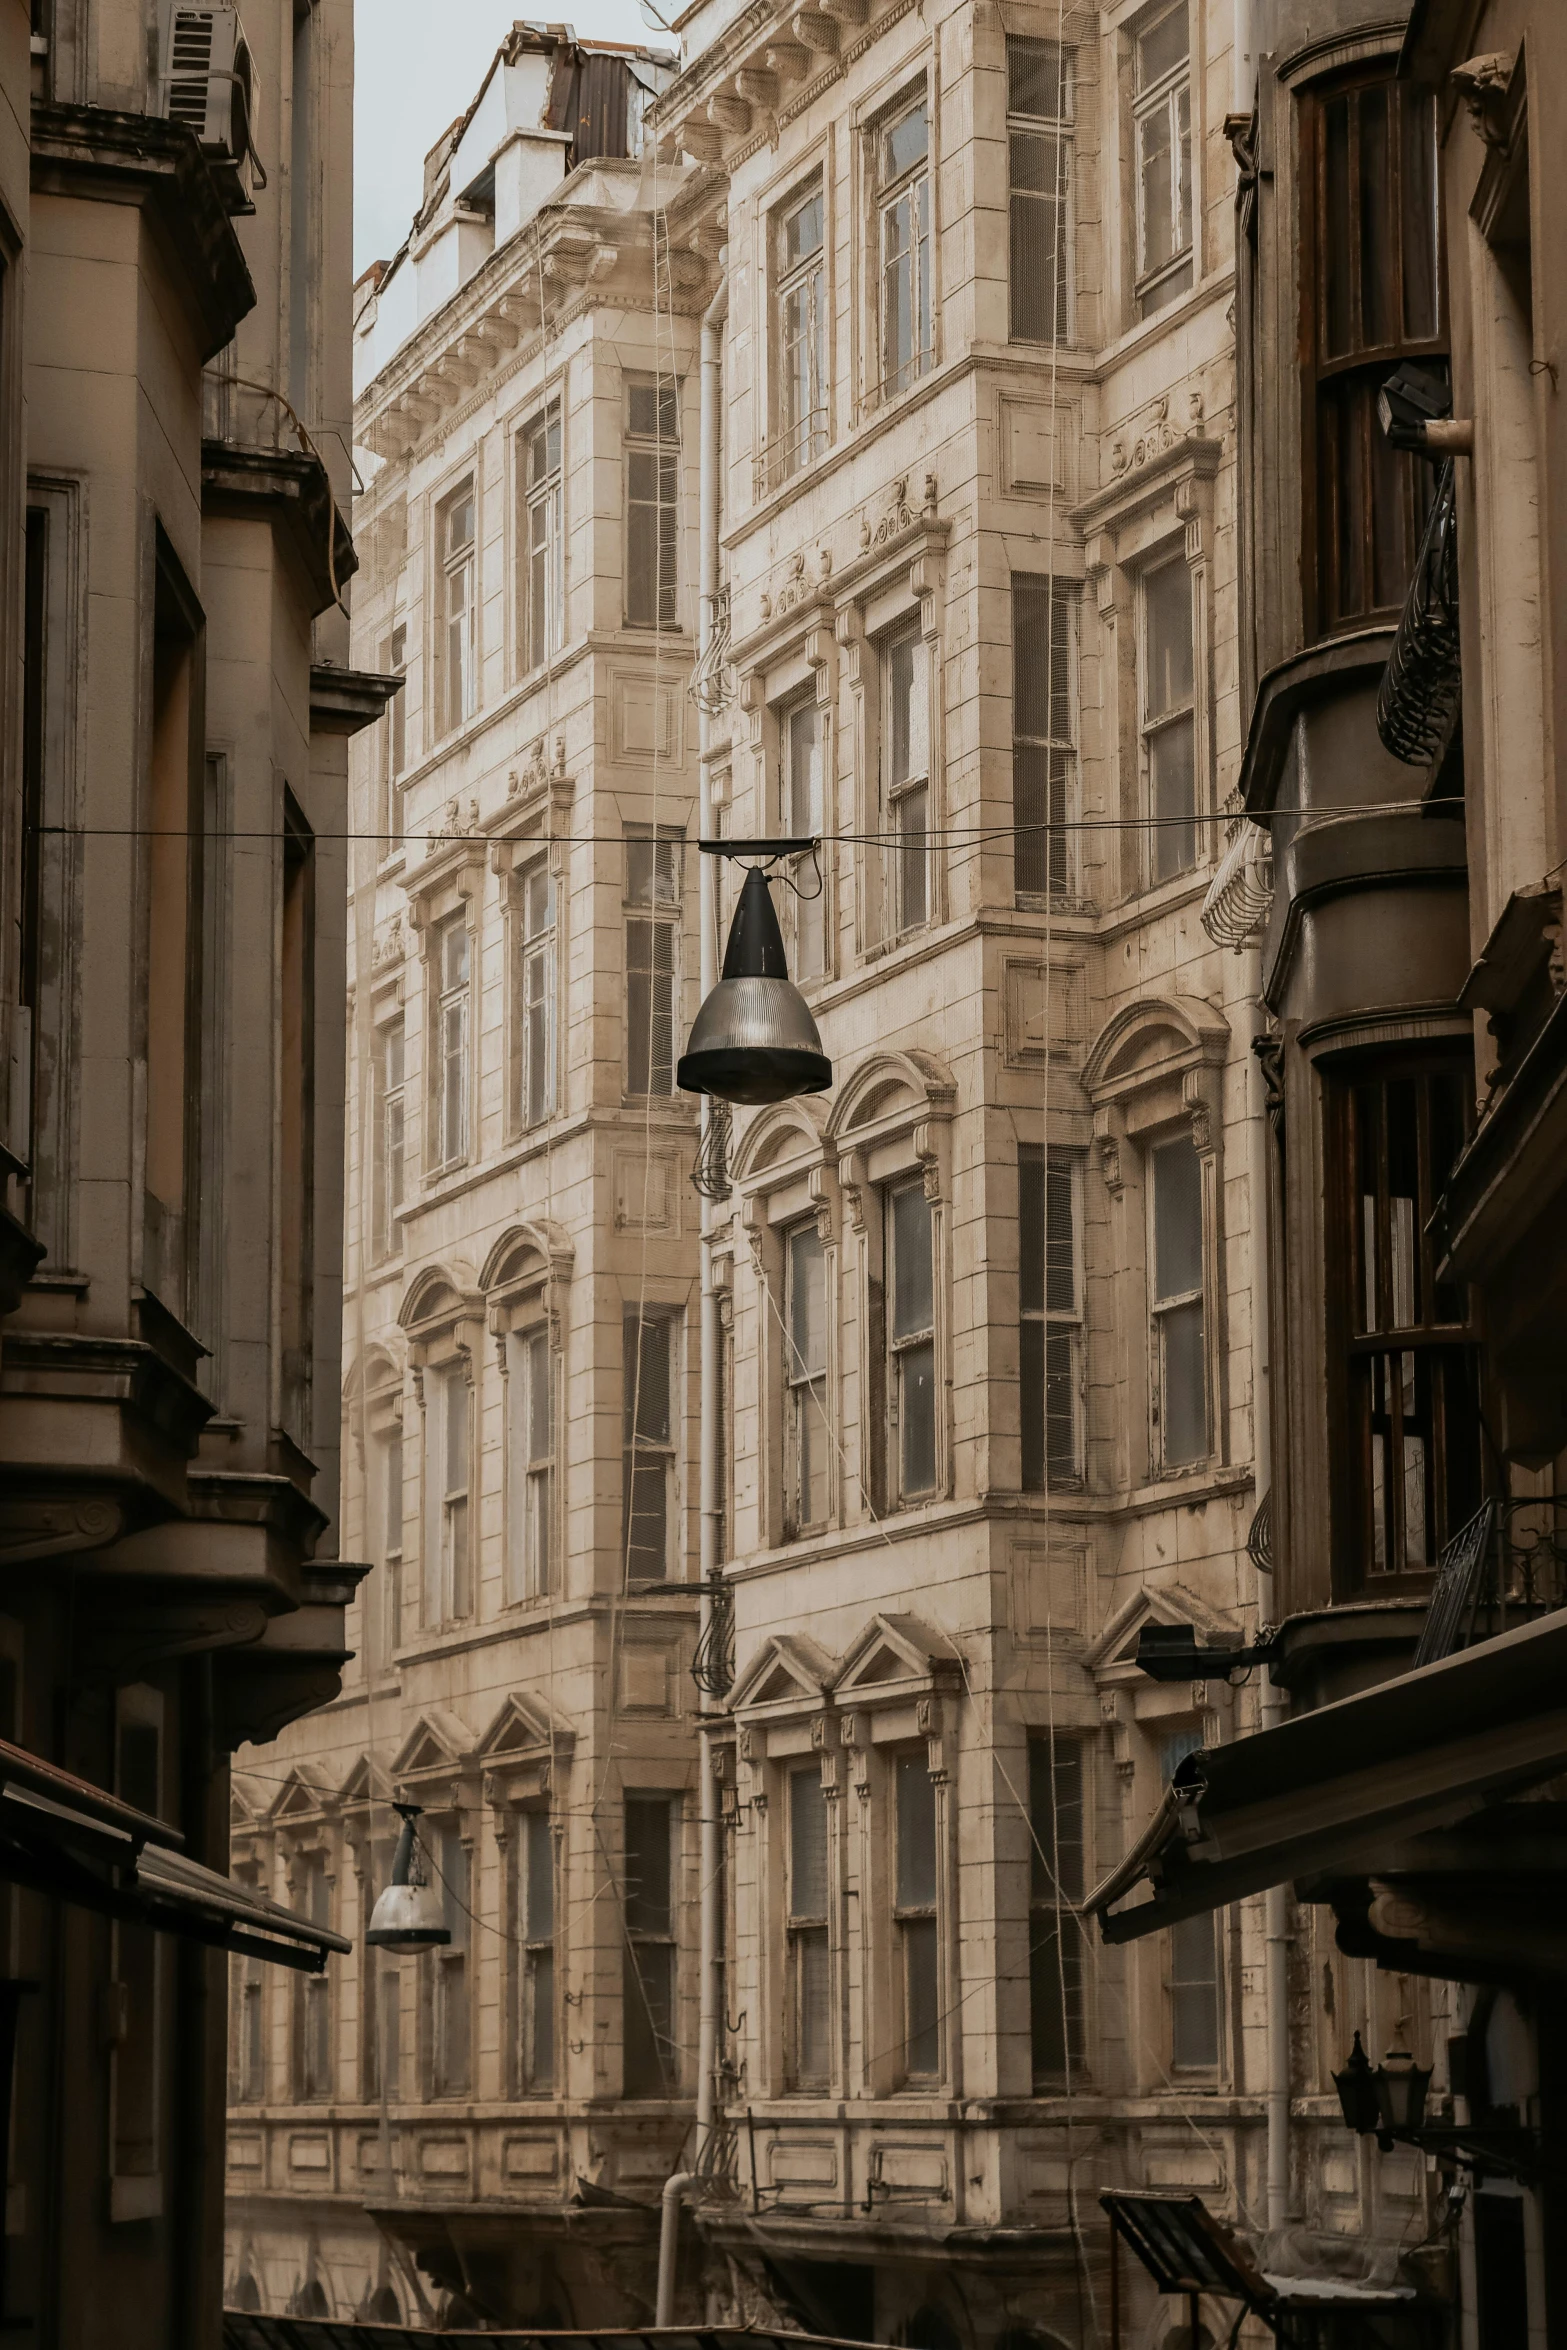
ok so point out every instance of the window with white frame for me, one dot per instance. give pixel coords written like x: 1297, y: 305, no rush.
x: 459, y: 602
x: 1044, y: 732
x: 801, y: 313
x: 394, y: 740
x: 806, y: 1466
x: 530, y: 1383
x: 543, y: 538
x: 905, y: 758
x: 1177, y: 1305
x: 652, y: 501
x: 1055, y: 1933
x: 448, y: 1559
x: 808, y: 2023
x: 313, y: 1993
x: 649, y: 1417
x: 536, y: 1953
x: 1162, y: 143
x: 802, y: 729
x: 1039, y: 153
x: 1191, y: 1957
x: 1169, y: 719
x: 534, y: 949
x: 1050, y: 1317
x: 911, y: 1342
x: 654, y: 872
x: 902, y: 179
x: 651, y: 2058
x: 388, y: 1138
x: 914, y: 1916
x: 450, y: 2017
x: 453, y: 961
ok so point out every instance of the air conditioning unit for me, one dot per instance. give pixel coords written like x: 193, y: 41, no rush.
x: 209, y: 80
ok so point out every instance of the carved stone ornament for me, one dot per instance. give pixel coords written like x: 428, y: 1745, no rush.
x: 1158, y: 435
x: 458, y: 822
x: 1110, y: 1162
x: 898, y: 516
x: 388, y: 945
x: 1483, y: 83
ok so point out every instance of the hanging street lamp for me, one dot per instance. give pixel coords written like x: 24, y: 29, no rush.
x: 409, y: 1914
x: 1386, y: 2101
x: 754, y: 1039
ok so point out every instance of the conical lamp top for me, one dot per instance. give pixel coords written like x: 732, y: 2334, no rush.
x: 409, y: 1914
x: 754, y: 1039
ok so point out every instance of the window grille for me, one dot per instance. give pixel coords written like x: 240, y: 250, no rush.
x: 1039, y: 152
x: 1162, y: 136
x: 1044, y: 722
x: 652, y: 503
x: 1050, y: 1317
x: 915, y: 1917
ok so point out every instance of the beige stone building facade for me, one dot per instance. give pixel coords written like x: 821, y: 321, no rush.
x: 176, y: 708
x: 988, y: 1404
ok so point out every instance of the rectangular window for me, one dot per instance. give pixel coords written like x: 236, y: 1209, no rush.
x: 1055, y: 1945
x: 649, y: 1445
x: 448, y: 1579
x: 911, y: 1341
x: 1169, y: 724
x: 543, y: 538
x: 652, y: 2067
x: 801, y: 297
x: 806, y: 1474
x: 394, y: 740
x: 905, y: 759
x: 388, y: 1138
x: 534, y: 934
x: 459, y: 609
x: 1180, y: 1355
x: 902, y: 173
x: 914, y: 1917
x: 453, y: 1013
x: 247, y: 2075
x: 382, y: 1977
x: 652, y: 502
x: 536, y: 1942
x: 1051, y: 1316
x: 654, y: 871
x: 313, y: 1993
x: 530, y: 1564
x: 1044, y: 737
x: 1162, y: 138
x: 450, y: 2021
x: 808, y: 2054
x: 1039, y: 154
x: 1191, y: 1959
x: 391, y: 1465
x: 1371, y: 246
x: 802, y: 730
x: 1410, y: 1364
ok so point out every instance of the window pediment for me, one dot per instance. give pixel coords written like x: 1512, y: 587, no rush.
x: 365, y: 1784
x: 788, y: 1674
x: 305, y: 1794
x: 1155, y: 1038
x: 438, y: 1741
x: 437, y: 1301
x: 895, y: 1658
x: 1112, y: 1658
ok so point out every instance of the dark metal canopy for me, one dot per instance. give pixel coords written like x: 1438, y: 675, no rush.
x: 244, y: 2331
x: 1337, y: 1790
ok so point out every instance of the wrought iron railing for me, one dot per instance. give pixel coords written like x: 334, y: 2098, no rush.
x: 800, y: 445
x: 713, y: 1666
x: 1507, y: 1565
x: 1417, y: 706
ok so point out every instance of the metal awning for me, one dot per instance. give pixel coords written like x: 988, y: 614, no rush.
x: 1330, y: 1792
x: 63, y: 1836
x: 243, y: 2330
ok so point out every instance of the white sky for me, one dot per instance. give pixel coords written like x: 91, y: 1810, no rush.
x: 417, y: 65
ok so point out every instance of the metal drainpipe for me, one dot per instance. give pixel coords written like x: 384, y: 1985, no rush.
x: 1243, y: 64
x: 675, y: 2187
x: 707, y: 2008
x: 1275, y: 1912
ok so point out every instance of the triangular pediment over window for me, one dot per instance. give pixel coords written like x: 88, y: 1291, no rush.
x: 248, y: 1800
x: 897, y: 1653
x: 524, y: 1726
x: 789, y: 1669
x: 1113, y: 1656
x: 304, y: 1794
x: 365, y: 1783
x: 438, y: 1741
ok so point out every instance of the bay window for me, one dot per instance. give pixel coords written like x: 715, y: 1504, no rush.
x: 652, y: 502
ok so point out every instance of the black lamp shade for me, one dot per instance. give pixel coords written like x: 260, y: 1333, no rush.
x: 754, y: 1039
x: 1401, y: 2087
x: 1357, y: 2094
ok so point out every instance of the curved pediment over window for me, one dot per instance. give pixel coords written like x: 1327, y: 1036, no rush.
x: 371, y: 1373
x: 1156, y: 1037
x: 439, y: 1295
x: 787, y: 1135
x: 540, y: 1250
x: 889, y: 1089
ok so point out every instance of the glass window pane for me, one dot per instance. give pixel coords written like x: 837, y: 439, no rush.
x: 456, y: 1432
x: 540, y: 2055
x: 1418, y: 189
x: 649, y: 2001
x: 1172, y: 797
x: 805, y: 769
x: 1158, y: 194
x: 1194, y: 2003
x: 1184, y: 1385
x: 922, y: 2015
x: 807, y: 1844
x: 539, y: 1444
x: 916, y: 1856
x: 813, y: 1994
x: 912, y: 1291
x: 649, y: 1847
x: 1162, y: 46
x: 904, y: 144
x: 1177, y: 1211
x: 802, y: 230
x: 807, y: 1304
x: 1036, y: 79
x: 1167, y: 607
x: 648, y: 1377
x: 917, y: 1419
x: 1378, y: 322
